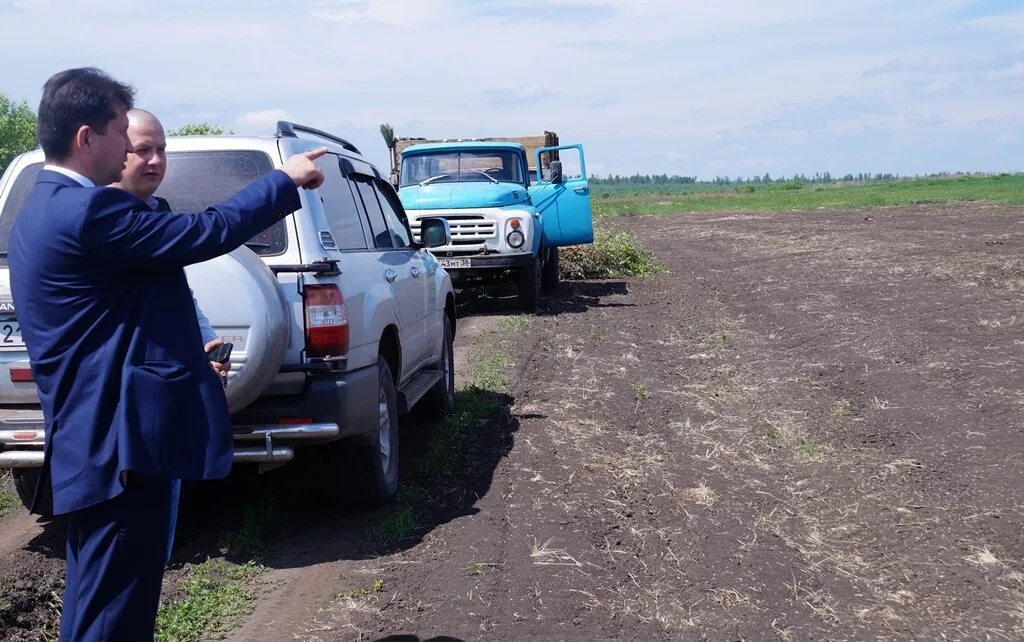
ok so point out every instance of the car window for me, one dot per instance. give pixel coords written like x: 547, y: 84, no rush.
x: 19, y: 192
x: 340, y: 207
x: 196, y: 180
x: 399, y: 232
x: 381, y: 234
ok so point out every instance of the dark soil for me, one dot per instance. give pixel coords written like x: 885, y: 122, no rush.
x: 812, y: 427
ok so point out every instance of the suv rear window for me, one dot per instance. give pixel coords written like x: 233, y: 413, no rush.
x: 194, y: 181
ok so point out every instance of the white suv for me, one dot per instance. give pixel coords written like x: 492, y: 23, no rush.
x: 340, y: 320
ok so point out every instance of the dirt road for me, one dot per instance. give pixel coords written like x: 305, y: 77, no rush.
x: 811, y: 427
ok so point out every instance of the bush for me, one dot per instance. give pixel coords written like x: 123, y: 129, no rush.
x: 612, y: 254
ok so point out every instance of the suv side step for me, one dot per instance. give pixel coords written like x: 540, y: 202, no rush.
x: 414, y: 389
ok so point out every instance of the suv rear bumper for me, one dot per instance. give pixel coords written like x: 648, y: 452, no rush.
x: 330, y: 409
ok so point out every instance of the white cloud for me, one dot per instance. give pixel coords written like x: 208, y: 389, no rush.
x: 517, y: 95
x: 389, y: 12
x: 1015, y: 72
x: 261, y: 120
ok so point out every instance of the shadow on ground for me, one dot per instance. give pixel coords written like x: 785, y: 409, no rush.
x: 571, y: 297
x: 286, y: 518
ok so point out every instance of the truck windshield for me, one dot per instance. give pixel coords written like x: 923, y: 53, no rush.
x: 488, y: 166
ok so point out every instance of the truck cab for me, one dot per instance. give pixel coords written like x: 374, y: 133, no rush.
x: 506, y: 223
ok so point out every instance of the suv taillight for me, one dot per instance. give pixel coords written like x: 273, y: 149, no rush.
x: 326, y: 321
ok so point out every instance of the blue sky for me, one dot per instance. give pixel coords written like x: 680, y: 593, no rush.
x: 733, y: 87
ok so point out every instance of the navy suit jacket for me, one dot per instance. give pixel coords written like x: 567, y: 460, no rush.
x: 110, y: 327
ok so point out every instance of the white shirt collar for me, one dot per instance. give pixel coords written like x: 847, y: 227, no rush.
x: 73, y: 175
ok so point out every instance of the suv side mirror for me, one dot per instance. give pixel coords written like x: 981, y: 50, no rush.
x: 435, y: 232
x: 555, y: 172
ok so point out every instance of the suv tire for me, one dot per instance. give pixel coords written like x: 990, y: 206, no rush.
x: 440, y: 401
x: 549, y: 275
x: 373, y: 473
x: 25, y: 482
x: 528, y: 281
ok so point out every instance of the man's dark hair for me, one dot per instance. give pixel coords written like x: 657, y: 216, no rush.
x: 76, y: 97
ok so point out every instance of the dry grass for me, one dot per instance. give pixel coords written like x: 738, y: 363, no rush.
x: 545, y: 554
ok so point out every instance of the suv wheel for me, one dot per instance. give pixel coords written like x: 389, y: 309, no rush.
x: 374, y: 467
x: 528, y: 281
x: 25, y: 482
x: 440, y: 401
x: 549, y: 276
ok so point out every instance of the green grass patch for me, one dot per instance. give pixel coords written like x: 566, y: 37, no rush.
x: 8, y: 504
x: 1007, y: 189
x: 789, y: 435
x: 810, y: 448
x: 473, y: 407
x: 215, y: 596
x: 398, y: 523
x: 363, y: 591
x: 515, y: 324
x: 247, y: 540
x: 492, y: 373
x: 400, y: 520
x: 9, y: 501
x: 612, y: 254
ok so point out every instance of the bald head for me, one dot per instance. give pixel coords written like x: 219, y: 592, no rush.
x: 140, y: 118
x: 146, y: 163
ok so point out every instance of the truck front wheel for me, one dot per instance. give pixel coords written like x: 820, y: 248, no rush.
x: 549, y: 276
x: 528, y: 281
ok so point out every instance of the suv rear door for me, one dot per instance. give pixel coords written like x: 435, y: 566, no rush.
x: 350, y: 234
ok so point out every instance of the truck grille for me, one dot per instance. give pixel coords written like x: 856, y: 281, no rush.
x: 466, y: 229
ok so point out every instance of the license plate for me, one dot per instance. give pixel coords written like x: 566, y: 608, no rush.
x: 10, y: 335
x: 454, y: 263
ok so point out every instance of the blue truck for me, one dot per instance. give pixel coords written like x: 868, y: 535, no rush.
x: 509, y: 211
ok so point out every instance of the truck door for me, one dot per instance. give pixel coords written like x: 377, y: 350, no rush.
x: 564, y: 206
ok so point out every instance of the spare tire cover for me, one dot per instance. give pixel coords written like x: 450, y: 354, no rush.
x: 239, y: 295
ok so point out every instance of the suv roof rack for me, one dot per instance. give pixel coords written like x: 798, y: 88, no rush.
x: 288, y: 129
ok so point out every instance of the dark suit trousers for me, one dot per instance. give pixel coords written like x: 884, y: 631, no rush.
x: 115, y: 564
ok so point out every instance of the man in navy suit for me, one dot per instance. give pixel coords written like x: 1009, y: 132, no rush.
x: 129, y: 398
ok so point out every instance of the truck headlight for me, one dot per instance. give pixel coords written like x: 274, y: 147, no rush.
x: 515, y: 239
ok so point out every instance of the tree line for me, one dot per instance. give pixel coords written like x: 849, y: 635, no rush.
x: 817, y: 177
x: 18, y: 130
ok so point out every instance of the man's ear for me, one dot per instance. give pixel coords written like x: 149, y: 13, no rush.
x: 83, y: 137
